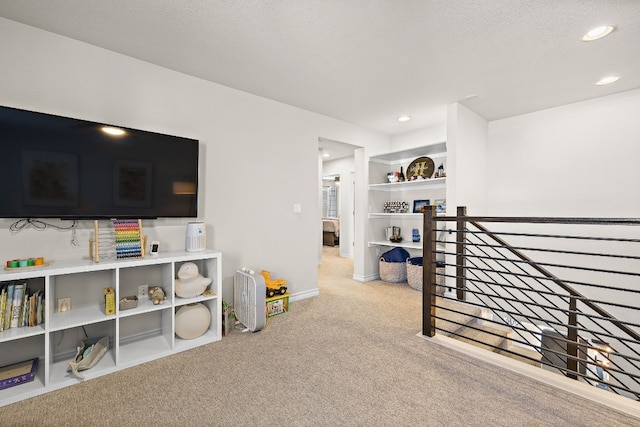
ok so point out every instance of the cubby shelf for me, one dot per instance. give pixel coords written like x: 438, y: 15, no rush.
x: 421, y: 184
x: 409, y: 244
x: 136, y: 335
x: 384, y: 215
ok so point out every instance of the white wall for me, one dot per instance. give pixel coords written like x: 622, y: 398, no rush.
x: 258, y: 157
x: 576, y: 160
x: 419, y: 138
x: 466, y: 160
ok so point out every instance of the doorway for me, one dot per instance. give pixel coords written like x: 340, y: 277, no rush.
x: 337, y: 173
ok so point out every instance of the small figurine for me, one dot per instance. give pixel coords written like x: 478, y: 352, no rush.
x: 157, y: 295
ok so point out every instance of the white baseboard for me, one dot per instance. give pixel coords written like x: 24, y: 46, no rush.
x: 304, y: 295
x: 368, y: 278
x: 615, y: 401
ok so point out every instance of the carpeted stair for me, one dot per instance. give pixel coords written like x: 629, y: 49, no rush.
x: 464, y: 323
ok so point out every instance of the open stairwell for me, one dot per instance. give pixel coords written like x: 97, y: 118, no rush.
x: 467, y: 323
x: 545, y: 290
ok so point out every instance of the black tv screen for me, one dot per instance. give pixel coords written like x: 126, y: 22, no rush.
x: 60, y: 167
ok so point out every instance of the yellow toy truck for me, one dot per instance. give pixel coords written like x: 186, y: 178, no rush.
x: 276, y: 286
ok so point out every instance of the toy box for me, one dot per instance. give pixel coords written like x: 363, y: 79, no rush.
x: 278, y: 304
x: 128, y: 303
x: 18, y: 373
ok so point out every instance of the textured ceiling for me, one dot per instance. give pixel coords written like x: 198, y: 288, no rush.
x: 366, y: 61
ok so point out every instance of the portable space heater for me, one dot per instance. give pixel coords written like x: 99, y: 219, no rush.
x: 249, y: 292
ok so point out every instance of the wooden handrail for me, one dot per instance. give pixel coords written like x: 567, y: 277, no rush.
x: 548, y: 220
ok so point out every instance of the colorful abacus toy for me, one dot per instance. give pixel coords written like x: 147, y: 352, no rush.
x: 128, y: 242
x: 125, y: 240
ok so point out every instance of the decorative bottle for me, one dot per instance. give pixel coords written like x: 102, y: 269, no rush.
x: 401, y: 175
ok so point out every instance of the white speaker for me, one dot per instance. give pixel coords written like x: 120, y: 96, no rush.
x: 196, y: 240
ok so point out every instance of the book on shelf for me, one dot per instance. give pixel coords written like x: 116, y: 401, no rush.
x: 32, y: 310
x: 3, y: 303
x: 24, y: 307
x: 8, y: 305
x: 19, y: 306
x: 40, y: 308
x: 16, y: 308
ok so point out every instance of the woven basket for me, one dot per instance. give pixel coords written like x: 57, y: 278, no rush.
x: 394, y: 272
x: 414, y: 275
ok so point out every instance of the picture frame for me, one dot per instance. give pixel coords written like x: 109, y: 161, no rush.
x: 441, y: 205
x: 419, y: 205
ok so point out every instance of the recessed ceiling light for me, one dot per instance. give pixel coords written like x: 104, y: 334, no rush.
x: 112, y: 131
x: 598, y: 33
x: 325, y: 154
x: 403, y: 119
x: 607, y: 80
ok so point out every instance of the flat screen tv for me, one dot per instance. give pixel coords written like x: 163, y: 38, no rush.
x: 60, y: 167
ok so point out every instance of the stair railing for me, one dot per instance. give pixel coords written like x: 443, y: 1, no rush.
x: 555, y: 308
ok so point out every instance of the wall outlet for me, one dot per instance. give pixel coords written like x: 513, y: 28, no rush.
x: 143, y: 291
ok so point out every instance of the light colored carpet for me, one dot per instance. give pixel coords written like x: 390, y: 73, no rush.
x: 349, y: 357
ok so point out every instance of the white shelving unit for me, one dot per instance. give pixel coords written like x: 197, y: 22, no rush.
x: 403, y: 244
x: 137, y: 335
x: 425, y: 184
x: 408, y: 191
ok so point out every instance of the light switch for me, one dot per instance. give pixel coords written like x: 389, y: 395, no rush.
x: 297, y: 208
